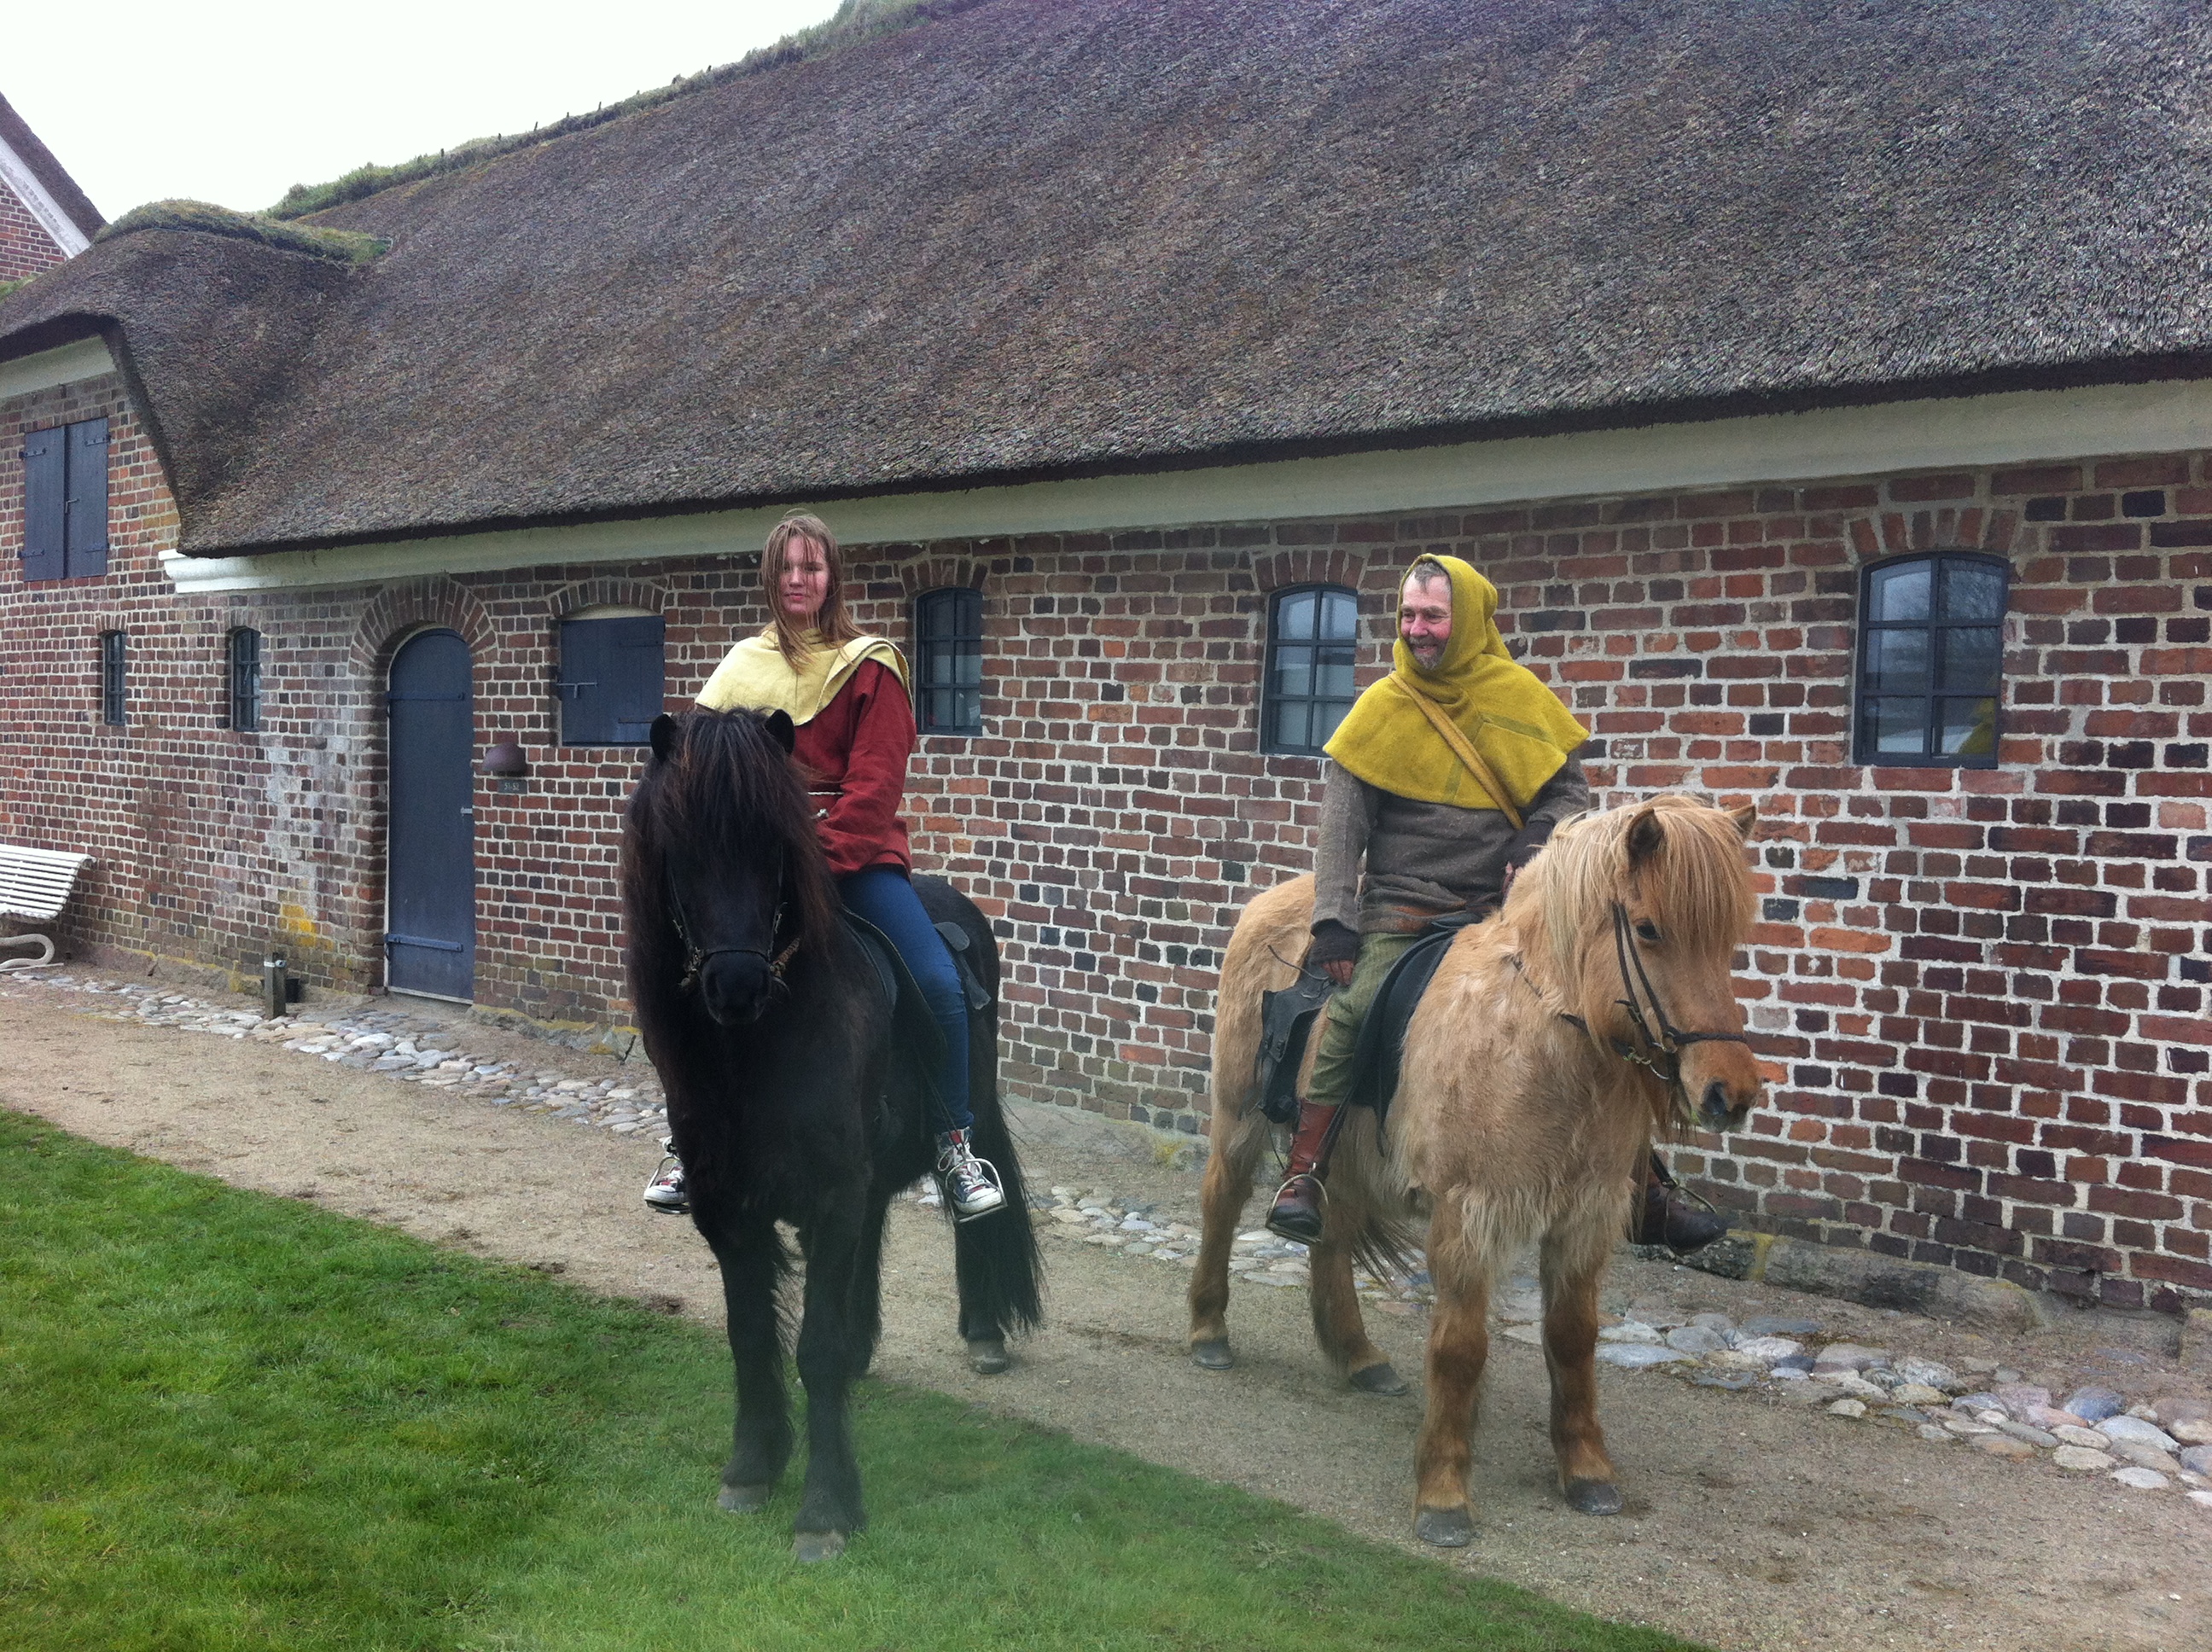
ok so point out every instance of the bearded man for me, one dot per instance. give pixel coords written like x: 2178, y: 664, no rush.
x: 1444, y: 779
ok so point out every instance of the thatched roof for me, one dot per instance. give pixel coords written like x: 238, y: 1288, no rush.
x: 1049, y: 237
x: 52, y: 176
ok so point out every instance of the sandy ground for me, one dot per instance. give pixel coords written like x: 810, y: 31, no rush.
x: 1752, y: 1522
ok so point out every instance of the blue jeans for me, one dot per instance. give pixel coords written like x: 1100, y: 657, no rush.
x: 883, y: 896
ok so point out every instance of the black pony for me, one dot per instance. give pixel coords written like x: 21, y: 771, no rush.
x: 794, y: 1095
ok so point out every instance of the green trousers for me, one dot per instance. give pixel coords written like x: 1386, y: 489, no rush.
x: 1340, y: 1036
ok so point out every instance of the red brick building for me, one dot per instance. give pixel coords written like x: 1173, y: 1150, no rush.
x: 1740, y: 357
x: 44, y: 216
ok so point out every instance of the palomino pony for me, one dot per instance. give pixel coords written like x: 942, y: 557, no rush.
x: 1556, y: 1037
x: 794, y: 1092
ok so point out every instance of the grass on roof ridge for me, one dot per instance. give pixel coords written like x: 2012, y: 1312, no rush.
x: 854, y: 21
x: 335, y: 245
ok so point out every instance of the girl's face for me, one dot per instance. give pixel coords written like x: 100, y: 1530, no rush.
x: 804, y: 584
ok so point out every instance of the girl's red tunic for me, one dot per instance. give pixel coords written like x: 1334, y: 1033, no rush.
x: 855, y: 748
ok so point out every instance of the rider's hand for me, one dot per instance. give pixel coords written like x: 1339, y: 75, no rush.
x: 1339, y: 970
x: 1334, y: 949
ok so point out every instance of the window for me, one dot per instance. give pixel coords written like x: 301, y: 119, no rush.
x: 112, y: 661
x: 1313, y: 633
x: 1931, y: 658
x: 613, y: 678
x: 948, y: 630
x: 245, y: 679
x: 65, y: 502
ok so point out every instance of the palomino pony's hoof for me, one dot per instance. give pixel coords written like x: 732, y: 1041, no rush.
x: 817, y: 1546
x: 987, y: 1356
x: 1446, y: 1528
x: 1381, y: 1379
x: 1594, y: 1496
x: 745, y: 1499
x: 1212, y: 1355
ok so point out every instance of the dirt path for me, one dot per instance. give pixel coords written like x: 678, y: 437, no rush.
x: 1752, y: 1522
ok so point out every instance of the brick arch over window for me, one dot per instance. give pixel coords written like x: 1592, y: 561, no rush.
x: 400, y: 610
x: 1276, y: 570
x: 608, y: 593
x: 936, y: 570
x: 1894, y: 533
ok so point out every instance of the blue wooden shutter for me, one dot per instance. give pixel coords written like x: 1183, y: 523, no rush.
x: 86, y: 536
x: 45, y: 494
x: 613, y: 679
x: 583, y: 671
x: 636, y: 676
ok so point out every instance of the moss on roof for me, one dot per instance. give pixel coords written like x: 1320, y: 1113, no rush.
x: 333, y: 246
x: 853, y: 22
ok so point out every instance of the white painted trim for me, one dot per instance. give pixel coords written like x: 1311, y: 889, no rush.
x: 60, y: 227
x: 2015, y: 427
x: 87, y: 358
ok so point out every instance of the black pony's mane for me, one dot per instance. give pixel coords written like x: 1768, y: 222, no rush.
x: 730, y: 794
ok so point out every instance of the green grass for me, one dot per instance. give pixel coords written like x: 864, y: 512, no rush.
x: 230, y: 1421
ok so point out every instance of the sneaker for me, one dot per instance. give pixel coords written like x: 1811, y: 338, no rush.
x: 970, y: 1184
x: 664, y: 1193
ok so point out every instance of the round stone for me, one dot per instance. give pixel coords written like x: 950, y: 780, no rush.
x: 2134, y: 1428
x: 1769, y: 1349
x: 1927, y: 1373
x: 2191, y: 1431
x: 1936, y: 1432
x: 1848, y: 1408
x: 2203, y: 1500
x: 1773, y: 1325
x: 2082, y: 1459
x: 1633, y: 1331
x: 2145, y: 1456
x: 2143, y: 1480
x: 2028, y: 1433
x: 2197, y: 1460
x: 2094, y: 1405
x: 1696, y: 1339
x: 2002, y: 1445
x: 1916, y: 1393
x: 1636, y: 1355
x: 2087, y: 1438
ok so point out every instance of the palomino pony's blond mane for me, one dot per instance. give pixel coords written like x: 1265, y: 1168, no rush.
x: 1697, y: 885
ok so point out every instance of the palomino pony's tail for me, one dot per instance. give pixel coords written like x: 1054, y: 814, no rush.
x: 1377, y: 1225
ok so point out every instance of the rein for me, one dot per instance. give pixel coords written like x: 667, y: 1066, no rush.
x: 1662, y: 1055
x: 695, y: 956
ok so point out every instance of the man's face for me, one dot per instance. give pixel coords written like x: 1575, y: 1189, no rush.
x: 1425, y: 619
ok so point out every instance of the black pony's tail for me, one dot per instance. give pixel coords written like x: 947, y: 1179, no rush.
x: 1000, y: 1269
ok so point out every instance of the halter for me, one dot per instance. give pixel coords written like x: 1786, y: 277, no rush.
x: 1661, y: 1056
x: 695, y: 956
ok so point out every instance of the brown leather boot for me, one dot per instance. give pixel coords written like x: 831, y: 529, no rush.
x: 1295, y: 1213
x: 1665, y: 1215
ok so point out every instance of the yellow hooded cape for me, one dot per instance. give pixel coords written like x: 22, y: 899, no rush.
x: 755, y: 675
x: 1515, y: 723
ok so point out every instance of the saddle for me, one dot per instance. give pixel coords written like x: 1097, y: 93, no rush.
x: 1286, y: 1020
x: 920, y: 1040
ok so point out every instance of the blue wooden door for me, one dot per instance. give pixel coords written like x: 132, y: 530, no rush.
x: 430, y: 890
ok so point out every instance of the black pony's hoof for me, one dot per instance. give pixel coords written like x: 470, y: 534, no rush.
x: 1381, y: 1379
x: 817, y: 1546
x: 1594, y: 1496
x: 987, y: 1356
x: 1212, y: 1355
x: 745, y: 1499
x: 1446, y: 1528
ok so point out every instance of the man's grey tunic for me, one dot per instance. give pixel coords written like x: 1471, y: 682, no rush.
x: 1430, y: 856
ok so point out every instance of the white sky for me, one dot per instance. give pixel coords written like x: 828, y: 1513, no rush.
x: 235, y: 100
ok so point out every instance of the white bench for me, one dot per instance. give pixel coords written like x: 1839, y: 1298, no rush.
x: 35, y: 884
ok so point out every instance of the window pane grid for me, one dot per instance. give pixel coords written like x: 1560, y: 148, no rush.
x: 1312, y: 651
x: 1931, y: 661
x: 948, y: 629
x: 245, y: 681
x: 113, y: 661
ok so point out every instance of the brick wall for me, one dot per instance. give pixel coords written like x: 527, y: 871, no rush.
x: 1980, y: 993
x: 25, y: 246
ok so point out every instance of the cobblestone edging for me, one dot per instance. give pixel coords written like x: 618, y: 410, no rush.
x: 2149, y: 1442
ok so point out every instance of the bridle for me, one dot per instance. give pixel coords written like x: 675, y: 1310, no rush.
x: 1661, y: 1054
x: 696, y: 957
